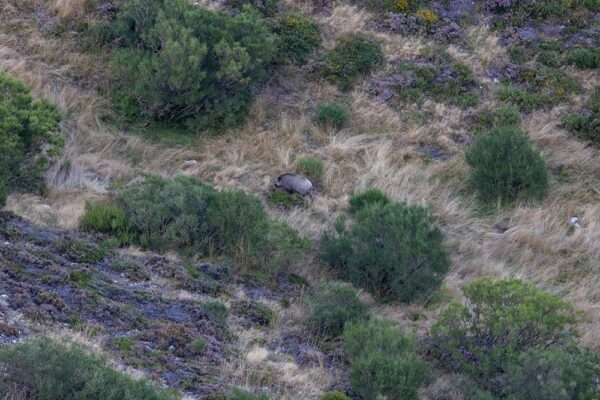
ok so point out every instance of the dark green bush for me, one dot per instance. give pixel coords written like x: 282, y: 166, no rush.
x: 513, y: 340
x: 334, y: 305
x: 506, y: 167
x: 312, y: 168
x: 282, y: 199
x: 26, y: 127
x: 109, y: 219
x: 367, y: 198
x: 384, y: 361
x: 394, y: 251
x: 184, y: 63
x: 268, y: 8
x: 299, y: 37
x: 521, y: 98
x: 331, y: 115
x: 43, y: 369
x: 436, y: 75
x: 186, y: 215
x: 353, y: 56
x: 586, y: 125
x: 335, y: 396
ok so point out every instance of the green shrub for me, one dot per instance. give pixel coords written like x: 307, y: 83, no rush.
x: 353, y: 56
x: 383, y: 361
x: 282, y: 199
x: 43, y: 369
x: 26, y: 127
x: 538, y: 85
x: 312, y: 168
x: 109, y: 219
x: 335, y: 396
x: 183, y: 63
x: 503, y: 116
x: 394, y: 251
x: 506, y: 330
x: 334, y: 305
x: 299, y: 37
x: 521, y: 98
x: 506, y: 167
x: 586, y: 125
x: 186, y: 215
x: 216, y: 311
x: 331, y: 115
x: 82, y: 251
x: 268, y: 8
x: 438, y: 76
x: 254, y: 312
x: 367, y: 198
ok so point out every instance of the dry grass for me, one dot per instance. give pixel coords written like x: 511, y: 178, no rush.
x: 379, y: 149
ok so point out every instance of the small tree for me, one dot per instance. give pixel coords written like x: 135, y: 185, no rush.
x: 393, y: 251
x: 188, y: 64
x: 334, y: 305
x: 497, y: 329
x: 505, y: 166
x: 26, y: 126
x: 384, y: 362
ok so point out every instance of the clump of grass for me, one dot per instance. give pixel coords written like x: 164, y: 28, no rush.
x: 331, y: 115
x: 353, y: 56
x: 503, y: 116
x: 586, y: 125
x: 312, y: 168
x: 367, y: 198
x: 254, y: 312
x: 584, y: 57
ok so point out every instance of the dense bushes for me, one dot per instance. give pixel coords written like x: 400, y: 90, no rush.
x: 268, y: 8
x: 331, y: 115
x: 26, y: 127
x: 586, y: 124
x: 506, y: 167
x: 367, y: 198
x: 186, y: 215
x: 299, y: 37
x: 392, y: 250
x: 513, y: 340
x: 384, y: 362
x: 45, y: 370
x: 184, y: 63
x: 334, y: 305
x: 584, y: 57
x: 354, y: 55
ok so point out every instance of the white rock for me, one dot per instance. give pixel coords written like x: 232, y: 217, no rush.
x: 189, y: 163
x: 575, y: 222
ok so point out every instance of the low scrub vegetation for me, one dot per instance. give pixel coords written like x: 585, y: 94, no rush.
x: 384, y: 363
x: 514, y: 341
x: 331, y: 115
x: 299, y: 37
x: 437, y: 76
x: 43, y: 369
x: 392, y: 250
x: 186, y: 215
x: 584, y: 57
x: 505, y: 166
x: 332, y: 307
x: 27, y: 139
x: 353, y: 56
x: 367, y: 198
x: 586, y: 124
x: 177, y: 62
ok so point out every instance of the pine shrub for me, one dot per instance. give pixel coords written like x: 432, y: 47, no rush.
x: 26, y: 129
x: 505, y: 166
x: 383, y: 361
x: 393, y: 251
